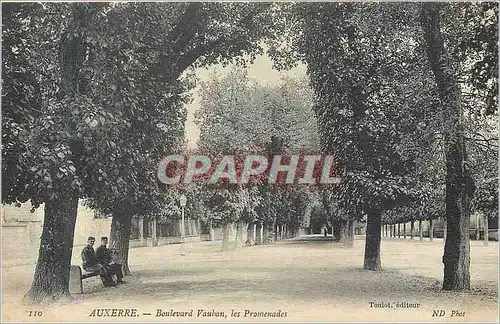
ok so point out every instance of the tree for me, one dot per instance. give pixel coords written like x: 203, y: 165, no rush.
x: 476, y: 55
x: 78, y: 105
x: 49, y: 159
x: 241, y: 116
x: 365, y: 118
x: 459, y: 184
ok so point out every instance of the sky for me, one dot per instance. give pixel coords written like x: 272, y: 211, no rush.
x: 260, y: 71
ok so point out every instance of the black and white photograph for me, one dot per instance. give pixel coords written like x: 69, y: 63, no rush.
x: 249, y: 162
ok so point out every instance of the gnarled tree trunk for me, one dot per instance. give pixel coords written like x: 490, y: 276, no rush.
x: 372, y: 244
x: 51, y: 278
x: 120, y: 238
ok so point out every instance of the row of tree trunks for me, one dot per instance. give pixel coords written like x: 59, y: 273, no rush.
x: 393, y: 230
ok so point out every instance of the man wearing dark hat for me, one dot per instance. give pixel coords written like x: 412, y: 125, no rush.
x: 105, y: 259
x: 91, y: 264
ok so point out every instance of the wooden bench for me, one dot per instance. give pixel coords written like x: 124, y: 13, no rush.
x: 76, y: 277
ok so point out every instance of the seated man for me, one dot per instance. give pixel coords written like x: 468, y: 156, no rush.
x: 104, y: 257
x: 91, y: 264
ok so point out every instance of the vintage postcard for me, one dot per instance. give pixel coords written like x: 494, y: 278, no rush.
x: 263, y: 162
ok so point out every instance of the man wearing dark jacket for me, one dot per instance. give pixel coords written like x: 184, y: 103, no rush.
x: 91, y: 263
x: 105, y: 259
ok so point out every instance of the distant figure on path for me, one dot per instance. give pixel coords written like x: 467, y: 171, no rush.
x: 91, y: 264
x: 104, y: 257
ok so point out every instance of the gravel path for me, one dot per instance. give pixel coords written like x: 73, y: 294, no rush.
x: 303, y: 280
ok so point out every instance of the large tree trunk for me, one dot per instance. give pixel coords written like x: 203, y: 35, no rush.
x: 120, y: 238
x: 420, y: 230
x: 412, y: 229
x: 51, y: 278
x: 372, y: 245
x: 404, y: 230
x: 459, y: 186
